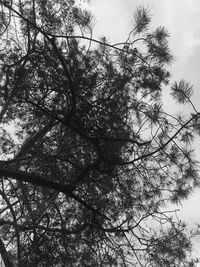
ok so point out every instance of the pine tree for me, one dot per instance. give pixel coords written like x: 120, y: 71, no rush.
x: 89, y: 157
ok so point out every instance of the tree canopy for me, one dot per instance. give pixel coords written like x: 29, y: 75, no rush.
x: 89, y: 157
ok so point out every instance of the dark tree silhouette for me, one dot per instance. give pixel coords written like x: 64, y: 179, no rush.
x: 89, y: 158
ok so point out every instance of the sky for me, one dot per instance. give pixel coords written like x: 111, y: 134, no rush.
x: 114, y: 19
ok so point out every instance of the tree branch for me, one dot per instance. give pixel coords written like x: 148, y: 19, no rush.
x: 42, y: 182
x: 4, y: 255
x: 164, y: 145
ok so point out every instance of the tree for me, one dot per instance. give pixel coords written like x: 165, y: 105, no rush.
x: 89, y: 157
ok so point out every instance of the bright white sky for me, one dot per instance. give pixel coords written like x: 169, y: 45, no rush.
x: 114, y: 19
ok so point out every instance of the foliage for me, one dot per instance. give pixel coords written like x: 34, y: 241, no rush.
x: 182, y: 91
x: 89, y: 157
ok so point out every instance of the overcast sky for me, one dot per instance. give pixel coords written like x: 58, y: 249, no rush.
x: 114, y: 19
